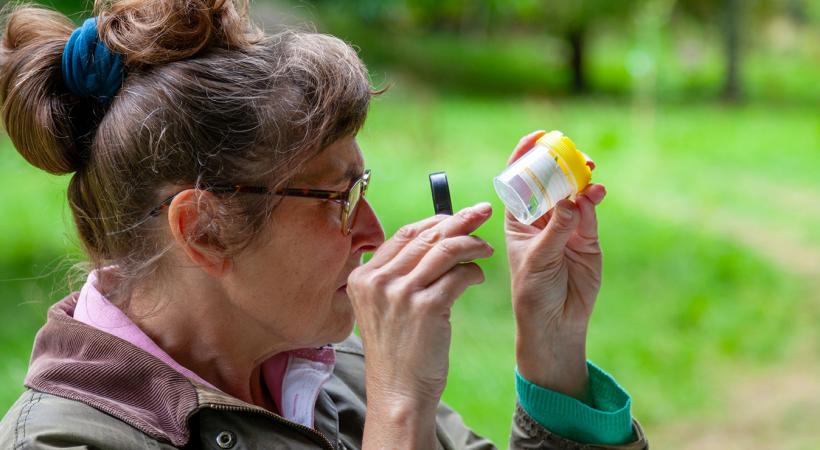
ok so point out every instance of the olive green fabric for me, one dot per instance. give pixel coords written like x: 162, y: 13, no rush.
x: 88, y: 389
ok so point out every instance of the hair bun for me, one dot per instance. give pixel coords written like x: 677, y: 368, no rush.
x: 34, y: 112
x: 154, y: 32
x: 53, y: 129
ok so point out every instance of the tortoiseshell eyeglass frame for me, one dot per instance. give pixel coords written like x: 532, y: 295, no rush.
x: 349, y: 199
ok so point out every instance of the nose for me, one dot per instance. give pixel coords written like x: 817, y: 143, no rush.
x: 367, y: 233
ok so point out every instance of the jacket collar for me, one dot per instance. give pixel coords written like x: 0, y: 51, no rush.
x: 73, y: 360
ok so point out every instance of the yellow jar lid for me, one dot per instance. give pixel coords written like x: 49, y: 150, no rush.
x: 574, y: 159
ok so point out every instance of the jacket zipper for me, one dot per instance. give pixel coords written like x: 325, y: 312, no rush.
x: 307, y: 430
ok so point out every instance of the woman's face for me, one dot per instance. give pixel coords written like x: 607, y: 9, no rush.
x: 293, y: 283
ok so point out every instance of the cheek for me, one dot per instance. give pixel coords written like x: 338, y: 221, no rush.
x: 326, y: 247
x: 310, y: 241
x: 300, y: 269
x: 323, y: 254
x: 320, y: 313
x: 327, y: 267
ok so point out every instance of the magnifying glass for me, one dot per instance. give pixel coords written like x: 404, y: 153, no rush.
x: 441, y: 193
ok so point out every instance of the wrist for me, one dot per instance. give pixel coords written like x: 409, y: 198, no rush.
x: 398, y: 423
x: 554, y: 359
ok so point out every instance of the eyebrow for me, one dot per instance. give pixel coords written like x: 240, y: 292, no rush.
x: 350, y: 173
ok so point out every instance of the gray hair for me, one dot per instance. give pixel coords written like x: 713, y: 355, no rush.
x: 208, y: 99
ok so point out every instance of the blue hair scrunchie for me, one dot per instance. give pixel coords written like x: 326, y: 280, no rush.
x: 89, y: 67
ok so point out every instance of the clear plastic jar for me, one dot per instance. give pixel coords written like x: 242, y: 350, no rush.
x: 552, y: 170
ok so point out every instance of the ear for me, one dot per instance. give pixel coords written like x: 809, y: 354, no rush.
x: 195, y: 232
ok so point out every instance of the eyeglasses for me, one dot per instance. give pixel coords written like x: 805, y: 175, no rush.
x: 349, y: 199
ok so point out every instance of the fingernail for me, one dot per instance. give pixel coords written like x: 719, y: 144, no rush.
x: 483, y: 208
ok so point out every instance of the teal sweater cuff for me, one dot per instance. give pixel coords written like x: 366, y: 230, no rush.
x: 606, y: 420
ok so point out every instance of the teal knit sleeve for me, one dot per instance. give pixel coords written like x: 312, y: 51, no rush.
x: 606, y: 420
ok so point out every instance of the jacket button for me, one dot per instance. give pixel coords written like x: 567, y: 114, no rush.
x: 225, y: 439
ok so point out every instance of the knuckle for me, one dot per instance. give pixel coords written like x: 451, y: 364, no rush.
x: 464, y: 246
x: 399, y: 291
x: 449, y: 246
x: 562, y: 224
x: 465, y: 215
x: 480, y: 243
x: 430, y: 303
x: 378, y: 279
x: 355, y: 277
x: 407, y: 232
x: 430, y: 236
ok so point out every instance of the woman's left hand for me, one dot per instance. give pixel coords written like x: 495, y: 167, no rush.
x: 555, y: 267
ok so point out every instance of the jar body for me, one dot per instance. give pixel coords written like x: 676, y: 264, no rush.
x: 546, y: 174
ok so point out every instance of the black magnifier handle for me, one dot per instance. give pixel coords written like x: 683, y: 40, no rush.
x: 441, y: 193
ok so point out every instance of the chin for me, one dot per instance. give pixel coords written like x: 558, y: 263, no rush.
x: 346, y: 330
x: 342, y: 324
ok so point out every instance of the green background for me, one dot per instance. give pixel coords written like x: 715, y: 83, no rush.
x: 710, y: 306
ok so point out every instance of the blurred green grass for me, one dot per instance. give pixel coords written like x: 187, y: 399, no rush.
x: 685, y: 305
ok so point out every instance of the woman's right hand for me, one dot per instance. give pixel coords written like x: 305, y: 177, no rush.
x: 402, y: 299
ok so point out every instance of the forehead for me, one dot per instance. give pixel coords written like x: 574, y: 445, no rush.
x: 339, y: 158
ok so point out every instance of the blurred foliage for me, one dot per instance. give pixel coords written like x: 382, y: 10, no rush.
x: 649, y: 49
x: 710, y: 220
x: 681, y: 47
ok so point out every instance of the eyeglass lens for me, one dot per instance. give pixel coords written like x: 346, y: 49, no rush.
x: 353, y: 204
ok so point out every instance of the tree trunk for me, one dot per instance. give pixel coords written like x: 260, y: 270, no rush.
x: 577, y: 43
x: 731, y: 40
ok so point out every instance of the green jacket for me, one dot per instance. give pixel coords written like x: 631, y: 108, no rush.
x: 90, y: 390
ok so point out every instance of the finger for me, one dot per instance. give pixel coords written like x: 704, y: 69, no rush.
x: 401, y: 238
x: 542, y: 221
x: 452, y: 284
x: 525, y: 144
x: 462, y: 223
x: 588, y: 221
x: 446, y: 254
x: 590, y: 162
x: 539, y: 223
x: 595, y: 192
x: 560, y: 228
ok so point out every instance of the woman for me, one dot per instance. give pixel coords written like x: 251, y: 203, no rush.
x: 218, y: 191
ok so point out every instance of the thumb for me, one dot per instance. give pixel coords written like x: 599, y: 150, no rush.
x: 559, y: 229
